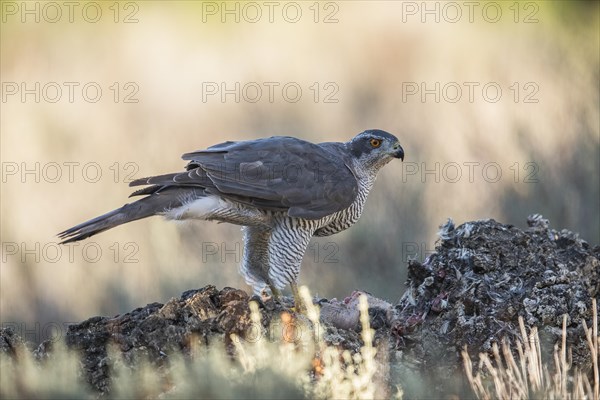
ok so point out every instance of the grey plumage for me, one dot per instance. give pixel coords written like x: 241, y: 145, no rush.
x: 282, y: 190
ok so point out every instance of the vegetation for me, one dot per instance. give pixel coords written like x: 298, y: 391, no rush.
x: 297, y: 365
x: 527, y: 377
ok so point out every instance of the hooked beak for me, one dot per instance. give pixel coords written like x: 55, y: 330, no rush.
x: 398, y: 151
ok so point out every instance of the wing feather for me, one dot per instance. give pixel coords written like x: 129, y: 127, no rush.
x: 280, y: 173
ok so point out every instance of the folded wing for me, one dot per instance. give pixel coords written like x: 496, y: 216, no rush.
x: 278, y: 173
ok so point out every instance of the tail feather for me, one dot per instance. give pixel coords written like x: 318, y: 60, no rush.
x: 154, y: 204
x: 127, y: 213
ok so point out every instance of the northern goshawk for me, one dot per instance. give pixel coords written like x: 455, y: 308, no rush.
x: 282, y: 190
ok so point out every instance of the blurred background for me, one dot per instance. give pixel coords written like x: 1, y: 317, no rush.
x: 496, y: 105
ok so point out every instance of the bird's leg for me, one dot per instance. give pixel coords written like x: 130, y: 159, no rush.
x: 275, y: 293
x: 298, y: 303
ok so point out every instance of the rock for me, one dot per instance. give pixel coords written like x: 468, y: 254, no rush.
x: 482, y: 276
x: 154, y: 331
x: 469, y: 292
x: 11, y: 344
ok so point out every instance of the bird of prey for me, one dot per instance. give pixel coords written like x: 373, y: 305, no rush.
x: 282, y: 190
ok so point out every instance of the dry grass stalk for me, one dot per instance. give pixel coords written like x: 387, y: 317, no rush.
x: 529, y: 377
x: 296, y: 359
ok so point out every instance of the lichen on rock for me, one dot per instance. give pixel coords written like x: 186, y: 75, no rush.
x: 485, y: 274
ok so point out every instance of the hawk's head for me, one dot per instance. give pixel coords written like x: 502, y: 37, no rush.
x: 374, y: 148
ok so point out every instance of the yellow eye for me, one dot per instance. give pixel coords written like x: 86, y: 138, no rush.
x: 375, y: 142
